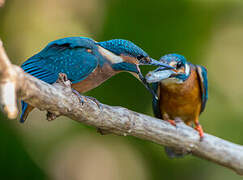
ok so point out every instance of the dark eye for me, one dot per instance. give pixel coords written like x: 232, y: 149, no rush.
x: 179, y: 65
x: 140, y: 57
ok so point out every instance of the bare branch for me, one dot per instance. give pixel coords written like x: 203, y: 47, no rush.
x: 60, y: 100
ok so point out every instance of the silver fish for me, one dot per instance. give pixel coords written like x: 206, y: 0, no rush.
x: 157, y: 75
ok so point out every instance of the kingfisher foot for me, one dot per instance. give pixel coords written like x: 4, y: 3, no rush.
x: 81, y: 98
x: 172, y: 122
x: 100, y: 106
x: 84, y: 99
x: 200, y: 130
x: 63, y: 79
x: 167, y: 118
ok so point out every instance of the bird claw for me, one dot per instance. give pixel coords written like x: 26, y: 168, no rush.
x: 172, y: 122
x: 200, y: 131
x: 81, y: 98
x: 100, y: 106
x: 63, y: 80
x: 84, y: 99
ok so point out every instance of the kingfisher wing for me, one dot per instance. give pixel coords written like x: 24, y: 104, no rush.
x: 72, y: 56
x: 203, y: 81
x: 155, y: 102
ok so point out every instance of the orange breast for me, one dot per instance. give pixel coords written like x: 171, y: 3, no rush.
x: 181, y: 100
x: 94, y: 79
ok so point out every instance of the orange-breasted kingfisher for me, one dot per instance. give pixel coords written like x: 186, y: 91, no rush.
x: 182, y: 93
x: 86, y: 63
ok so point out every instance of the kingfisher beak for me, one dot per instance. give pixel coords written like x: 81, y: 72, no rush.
x: 153, y: 62
x: 163, y: 66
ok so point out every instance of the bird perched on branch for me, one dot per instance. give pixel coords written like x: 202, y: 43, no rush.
x: 182, y: 93
x: 86, y: 63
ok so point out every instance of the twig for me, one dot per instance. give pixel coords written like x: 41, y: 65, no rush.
x: 60, y: 100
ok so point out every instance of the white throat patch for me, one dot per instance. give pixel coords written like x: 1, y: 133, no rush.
x: 187, y: 69
x: 109, y: 55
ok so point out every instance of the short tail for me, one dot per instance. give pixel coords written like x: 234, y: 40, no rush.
x: 172, y: 153
x: 26, y: 109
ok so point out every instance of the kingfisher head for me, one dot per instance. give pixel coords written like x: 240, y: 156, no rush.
x: 122, y: 52
x: 178, y: 75
x: 124, y: 55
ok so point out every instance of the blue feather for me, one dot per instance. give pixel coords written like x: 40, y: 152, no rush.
x: 121, y: 46
x: 202, y: 73
x: 124, y: 66
x: 24, y: 107
x: 67, y: 55
x: 155, y: 102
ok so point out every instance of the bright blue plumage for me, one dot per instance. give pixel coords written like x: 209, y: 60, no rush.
x: 202, y: 72
x: 183, y: 82
x: 173, y: 57
x: 125, y: 47
x: 85, y: 62
x: 68, y: 55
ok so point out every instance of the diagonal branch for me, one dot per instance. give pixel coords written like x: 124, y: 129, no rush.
x: 60, y: 100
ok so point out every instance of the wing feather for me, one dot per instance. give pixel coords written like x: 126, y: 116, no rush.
x: 203, y: 81
x: 68, y: 55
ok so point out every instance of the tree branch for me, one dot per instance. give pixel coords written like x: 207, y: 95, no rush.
x: 60, y: 100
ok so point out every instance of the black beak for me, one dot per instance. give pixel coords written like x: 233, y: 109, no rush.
x: 162, y: 65
x: 146, y: 84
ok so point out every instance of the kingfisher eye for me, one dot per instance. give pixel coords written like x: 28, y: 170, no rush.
x: 140, y: 57
x: 179, y: 65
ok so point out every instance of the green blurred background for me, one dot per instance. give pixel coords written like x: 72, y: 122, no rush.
x: 207, y: 32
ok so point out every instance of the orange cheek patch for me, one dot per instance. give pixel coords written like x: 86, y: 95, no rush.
x: 129, y: 59
x: 89, y: 50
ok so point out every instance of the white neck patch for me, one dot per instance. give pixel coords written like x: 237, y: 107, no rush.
x: 109, y: 55
x: 187, y: 69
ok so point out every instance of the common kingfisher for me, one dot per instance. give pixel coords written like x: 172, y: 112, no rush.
x: 182, y: 92
x: 86, y: 63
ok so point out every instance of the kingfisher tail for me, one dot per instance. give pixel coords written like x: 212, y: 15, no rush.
x: 26, y: 109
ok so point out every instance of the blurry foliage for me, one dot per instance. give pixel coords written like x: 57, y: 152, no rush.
x: 15, y: 162
x: 196, y: 29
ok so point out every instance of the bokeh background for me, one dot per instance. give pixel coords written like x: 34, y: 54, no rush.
x: 207, y: 32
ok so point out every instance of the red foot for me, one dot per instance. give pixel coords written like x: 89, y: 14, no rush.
x: 172, y: 122
x: 200, y: 131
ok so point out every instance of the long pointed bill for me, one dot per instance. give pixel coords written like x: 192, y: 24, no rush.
x: 163, y: 66
x: 146, y: 84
